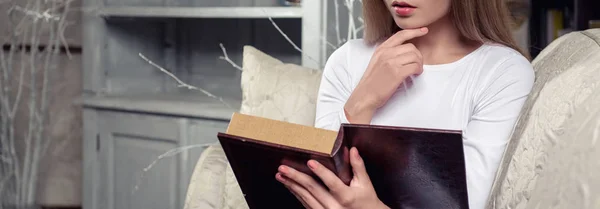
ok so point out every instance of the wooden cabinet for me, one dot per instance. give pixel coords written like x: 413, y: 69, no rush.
x: 127, y: 144
x: 134, y: 112
x: 132, y: 167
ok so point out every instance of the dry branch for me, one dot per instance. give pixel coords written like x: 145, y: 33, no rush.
x: 288, y: 38
x: 181, y: 83
x: 24, y: 89
x: 226, y: 58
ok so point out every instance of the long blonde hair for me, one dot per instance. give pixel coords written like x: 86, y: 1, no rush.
x: 477, y: 20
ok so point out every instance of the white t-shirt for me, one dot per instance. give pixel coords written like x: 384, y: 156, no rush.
x: 481, y: 94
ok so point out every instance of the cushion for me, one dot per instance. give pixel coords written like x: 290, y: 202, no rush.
x: 566, y: 71
x: 270, y: 89
x: 570, y: 178
x: 277, y: 90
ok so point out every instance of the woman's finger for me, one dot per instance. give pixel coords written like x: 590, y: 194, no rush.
x: 408, y: 64
x: 404, y: 35
x: 358, y: 167
x: 409, y: 58
x: 331, y: 180
x: 393, y: 53
x: 308, y: 183
x: 301, y: 194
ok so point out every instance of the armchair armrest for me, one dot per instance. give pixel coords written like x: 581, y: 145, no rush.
x: 213, y: 184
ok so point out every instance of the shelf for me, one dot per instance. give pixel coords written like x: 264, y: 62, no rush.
x: 203, y: 12
x: 184, y: 105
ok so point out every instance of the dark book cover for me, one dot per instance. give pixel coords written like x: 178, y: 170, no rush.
x: 409, y: 167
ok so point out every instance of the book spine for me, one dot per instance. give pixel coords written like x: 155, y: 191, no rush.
x: 341, y: 161
x: 341, y: 157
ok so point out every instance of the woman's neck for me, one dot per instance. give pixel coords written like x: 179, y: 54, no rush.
x: 443, y: 43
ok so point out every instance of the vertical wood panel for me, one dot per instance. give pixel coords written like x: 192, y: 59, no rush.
x: 94, y: 39
x: 183, y: 176
x: 91, y: 174
x: 312, y: 32
x: 103, y: 145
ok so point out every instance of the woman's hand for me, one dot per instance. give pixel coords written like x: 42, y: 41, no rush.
x: 360, y: 194
x: 392, y: 62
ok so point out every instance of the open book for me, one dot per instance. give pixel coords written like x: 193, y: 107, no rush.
x: 409, y: 167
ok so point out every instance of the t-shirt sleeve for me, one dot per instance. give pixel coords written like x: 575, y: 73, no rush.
x: 496, y: 110
x: 334, y: 90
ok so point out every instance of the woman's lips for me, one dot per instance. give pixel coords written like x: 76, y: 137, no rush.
x: 404, y: 11
x: 403, y: 8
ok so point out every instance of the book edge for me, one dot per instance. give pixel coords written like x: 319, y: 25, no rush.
x: 403, y: 128
x: 269, y: 144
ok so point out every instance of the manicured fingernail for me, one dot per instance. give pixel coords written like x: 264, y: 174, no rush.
x: 357, y: 155
x: 312, y: 164
x: 424, y: 29
x: 279, y: 177
x: 283, y: 169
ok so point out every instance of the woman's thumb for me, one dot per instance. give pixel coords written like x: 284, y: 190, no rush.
x: 358, y: 166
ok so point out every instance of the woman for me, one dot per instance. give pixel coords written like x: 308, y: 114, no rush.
x: 445, y: 64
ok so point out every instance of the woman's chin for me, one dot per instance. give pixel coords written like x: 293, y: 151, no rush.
x: 406, y: 24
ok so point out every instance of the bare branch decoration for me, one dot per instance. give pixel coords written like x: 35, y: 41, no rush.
x: 45, y: 15
x: 329, y: 43
x: 288, y: 38
x: 226, y: 58
x: 167, y: 154
x: 24, y: 87
x: 181, y: 83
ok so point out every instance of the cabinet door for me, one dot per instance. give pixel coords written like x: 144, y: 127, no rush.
x: 128, y: 145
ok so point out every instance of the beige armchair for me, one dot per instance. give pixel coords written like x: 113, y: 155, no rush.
x: 550, y: 162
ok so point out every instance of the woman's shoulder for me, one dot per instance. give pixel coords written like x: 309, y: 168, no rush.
x: 501, y: 65
x: 503, y: 54
x: 501, y: 59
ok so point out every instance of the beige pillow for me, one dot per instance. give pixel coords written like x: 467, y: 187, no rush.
x: 566, y: 71
x: 570, y: 178
x: 277, y: 90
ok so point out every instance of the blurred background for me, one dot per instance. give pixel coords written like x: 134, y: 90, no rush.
x: 91, y: 109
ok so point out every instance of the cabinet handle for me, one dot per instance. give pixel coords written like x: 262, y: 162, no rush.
x: 97, y: 142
